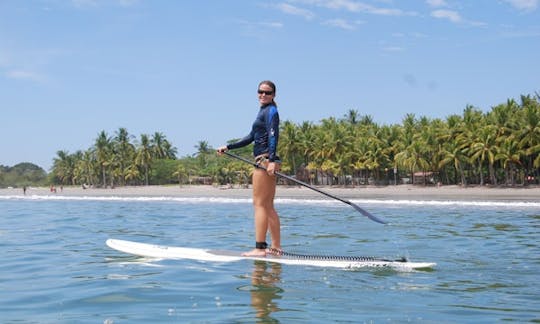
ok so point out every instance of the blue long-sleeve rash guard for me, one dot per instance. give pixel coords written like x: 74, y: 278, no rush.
x: 264, y: 133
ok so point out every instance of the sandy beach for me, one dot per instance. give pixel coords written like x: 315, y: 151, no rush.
x: 400, y: 192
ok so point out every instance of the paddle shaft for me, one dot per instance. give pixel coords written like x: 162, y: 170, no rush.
x: 356, y: 207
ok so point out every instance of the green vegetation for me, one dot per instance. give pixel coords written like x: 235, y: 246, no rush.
x: 22, y: 174
x: 500, y: 147
x: 117, y: 160
x: 122, y: 160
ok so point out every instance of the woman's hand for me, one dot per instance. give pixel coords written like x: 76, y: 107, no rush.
x: 222, y: 150
x: 272, y: 168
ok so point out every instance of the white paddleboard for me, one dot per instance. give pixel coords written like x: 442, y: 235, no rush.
x: 171, y: 252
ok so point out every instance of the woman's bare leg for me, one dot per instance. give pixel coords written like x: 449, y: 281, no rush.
x: 266, y: 217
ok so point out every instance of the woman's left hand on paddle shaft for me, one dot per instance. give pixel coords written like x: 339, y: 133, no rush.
x: 272, y: 168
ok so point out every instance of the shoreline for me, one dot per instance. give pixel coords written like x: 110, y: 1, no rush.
x: 400, y: 192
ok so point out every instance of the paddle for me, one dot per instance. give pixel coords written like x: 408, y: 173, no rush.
x: 358, y: 208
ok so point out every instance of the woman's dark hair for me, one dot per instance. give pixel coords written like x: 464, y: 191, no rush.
x: 271, y: 85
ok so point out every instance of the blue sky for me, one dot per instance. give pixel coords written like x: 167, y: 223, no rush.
x: 190, y: 69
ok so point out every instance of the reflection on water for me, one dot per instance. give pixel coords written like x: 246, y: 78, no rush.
x: 264, y: 290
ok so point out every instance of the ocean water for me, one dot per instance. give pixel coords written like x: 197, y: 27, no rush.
x: 56, y: 267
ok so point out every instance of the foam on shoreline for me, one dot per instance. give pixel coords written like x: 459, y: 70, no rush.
x: 401, y: 193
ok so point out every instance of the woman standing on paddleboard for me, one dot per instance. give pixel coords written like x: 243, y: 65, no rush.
x: 264, y: 133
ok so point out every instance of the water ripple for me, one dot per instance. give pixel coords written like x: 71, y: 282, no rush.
x: 56, y: 267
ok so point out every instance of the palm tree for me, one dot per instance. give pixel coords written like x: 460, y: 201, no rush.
x: 466, y: 133
x: 63, y: 167
x: 453, y: 154
x: 143, y: 156
x: 413, y: 158
x: 426, y: 135
x: 170, y: 151
x: 510, y: 155
x: 203, y: 151
x: 289, y: 146
x: 158, y: 145
x: 305, y: 134
x: 529, y: 134
x: 86, y: 168
x: 359, y: 156
x: 203, y: 147
x: 336, y: 141
x: 409, y: 129
x: 180, y: 173
x: 503, y: 116
x: 103, y: 151
x: 483, y: 149
x: 352, y: 117
x: 124, y: 151
x: 133, y: 174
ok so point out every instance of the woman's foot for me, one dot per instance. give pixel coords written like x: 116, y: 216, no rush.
x: 255, y: 253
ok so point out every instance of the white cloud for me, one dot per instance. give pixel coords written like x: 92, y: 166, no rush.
x: 451, y: 15
x: 293, y: 10
x: 356, y: 6
x: 253, y: 28
x: 340, y: 23
x: 24, y: 75
x: 525, y: 5
x: 388, y: 12
x: 409, y: 35
x: 274, y: 24
x: 293, y: 7
x: 455, y: 17
x: 22, y: 64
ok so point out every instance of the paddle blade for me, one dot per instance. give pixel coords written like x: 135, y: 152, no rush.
x: 368, y: 214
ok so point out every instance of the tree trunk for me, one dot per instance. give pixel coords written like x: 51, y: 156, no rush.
x: 492, y: 174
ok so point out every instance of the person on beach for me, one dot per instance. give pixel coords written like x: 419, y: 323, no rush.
x: 265, y: 134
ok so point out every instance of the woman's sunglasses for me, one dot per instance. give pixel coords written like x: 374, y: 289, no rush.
x: 268, y: 93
